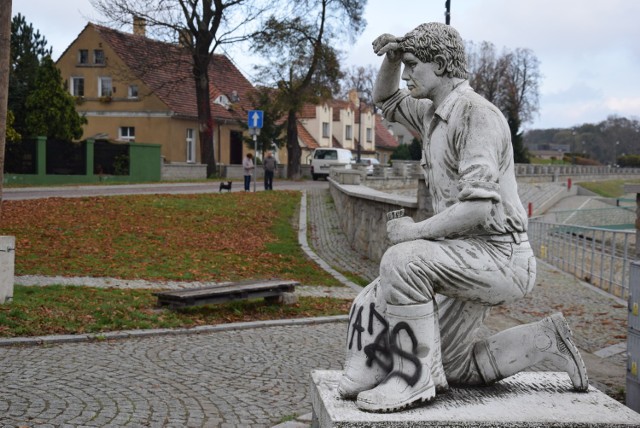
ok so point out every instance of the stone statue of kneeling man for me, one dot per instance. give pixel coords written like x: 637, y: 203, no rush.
x: 412, y: 331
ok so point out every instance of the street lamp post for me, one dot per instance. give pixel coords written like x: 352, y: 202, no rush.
x: 615, y: 151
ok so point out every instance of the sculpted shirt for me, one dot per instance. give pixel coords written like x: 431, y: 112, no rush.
x: 467, y: 154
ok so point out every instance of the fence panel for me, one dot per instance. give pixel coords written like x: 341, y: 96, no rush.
x: 598, y: 256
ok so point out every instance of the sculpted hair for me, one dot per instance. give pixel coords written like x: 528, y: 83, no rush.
x: 433, y: 39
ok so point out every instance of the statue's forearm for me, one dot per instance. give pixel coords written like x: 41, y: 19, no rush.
x: 387, y: 81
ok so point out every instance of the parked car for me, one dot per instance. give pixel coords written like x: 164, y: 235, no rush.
x: 369, y: 163
x: 323, y: 159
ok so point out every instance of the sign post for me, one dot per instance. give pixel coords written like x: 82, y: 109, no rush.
x: 254, y: 119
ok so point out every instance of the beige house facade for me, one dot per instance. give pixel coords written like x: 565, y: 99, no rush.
x: 340, y: 124
x: 133, y: 88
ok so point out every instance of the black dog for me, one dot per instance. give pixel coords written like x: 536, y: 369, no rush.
x: 224, y: 185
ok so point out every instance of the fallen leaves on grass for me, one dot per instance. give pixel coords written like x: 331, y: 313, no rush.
x: 210, y: 237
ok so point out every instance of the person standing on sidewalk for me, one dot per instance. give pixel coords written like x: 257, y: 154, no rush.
x: 270, y: 166
x: 247, y: 164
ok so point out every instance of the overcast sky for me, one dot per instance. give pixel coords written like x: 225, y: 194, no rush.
x: 589, y: 50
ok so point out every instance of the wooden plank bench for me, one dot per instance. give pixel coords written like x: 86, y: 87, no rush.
x: 270, y: 289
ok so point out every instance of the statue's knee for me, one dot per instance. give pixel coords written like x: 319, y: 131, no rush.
x: 393, y: 259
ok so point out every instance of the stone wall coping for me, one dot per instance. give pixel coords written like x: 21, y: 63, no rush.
x: 365, y: 192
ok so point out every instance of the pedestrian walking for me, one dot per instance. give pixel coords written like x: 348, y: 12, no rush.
x: 270, y: 166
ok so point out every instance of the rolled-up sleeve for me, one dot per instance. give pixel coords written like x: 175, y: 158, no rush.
x: 413, y: 113
x: 481, y: 143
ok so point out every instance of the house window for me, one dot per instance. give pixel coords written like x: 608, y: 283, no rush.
x: 348, y: 132
x: 98, y: 56
x: 191, y: 146
x: 127, y: 133
x: 133, y: 91
x: 400, y: 139
x: 325, y: 129
x: 104, y: 87
x: 77, y: 86
x: 83, y: 56
x: 369, y: 135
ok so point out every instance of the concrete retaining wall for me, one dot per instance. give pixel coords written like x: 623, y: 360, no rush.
x: 184, y: 171
x: 362, y: 211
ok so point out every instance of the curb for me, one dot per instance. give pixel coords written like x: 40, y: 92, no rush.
x: 134, y: 334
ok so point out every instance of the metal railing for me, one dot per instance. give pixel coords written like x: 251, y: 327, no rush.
x: 597, y: 255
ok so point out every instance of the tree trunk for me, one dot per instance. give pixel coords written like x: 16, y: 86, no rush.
x: 293, y: 147
x: 205, y: 121
x: 5, y: 45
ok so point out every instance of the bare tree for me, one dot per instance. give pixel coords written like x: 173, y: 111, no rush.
x: 202, y: 26
x: 5, y: 43
x: 303, y: 65
x: 360, y: 78
x: 486, y: 70
x: 510, y: 81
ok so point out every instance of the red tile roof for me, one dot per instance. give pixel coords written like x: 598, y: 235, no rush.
x: 305, y: 138
x: 384, y: 139
x: 308, y: 112
x: 166, y: 69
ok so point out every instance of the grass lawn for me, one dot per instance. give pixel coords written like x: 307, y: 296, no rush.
x: 609, y: 188
x: 213, y: 237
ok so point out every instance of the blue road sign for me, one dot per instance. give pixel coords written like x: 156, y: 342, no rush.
x: 254, y: 118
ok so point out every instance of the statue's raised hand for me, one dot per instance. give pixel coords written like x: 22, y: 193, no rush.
x: 388, y: 44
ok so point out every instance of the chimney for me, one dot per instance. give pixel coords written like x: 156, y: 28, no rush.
x: 185, y: 38
x: 139, y: 26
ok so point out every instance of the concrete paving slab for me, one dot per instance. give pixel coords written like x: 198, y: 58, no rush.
x: 525, y: 400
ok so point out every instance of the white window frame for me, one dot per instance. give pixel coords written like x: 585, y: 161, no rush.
x: 72, y: 86
x: 369, y: 135
x: 127, y: 133
x: 348, y: 132
x: 132, y: 92
x: 325, y: 130
x: 100, y: 86
x: 191, y: 145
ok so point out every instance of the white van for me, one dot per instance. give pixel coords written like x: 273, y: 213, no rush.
x: 323, y: 159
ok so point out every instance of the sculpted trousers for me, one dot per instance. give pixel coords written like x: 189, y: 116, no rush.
x: 465, y: 277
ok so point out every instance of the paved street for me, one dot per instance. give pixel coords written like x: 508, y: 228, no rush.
x: 258, y: 375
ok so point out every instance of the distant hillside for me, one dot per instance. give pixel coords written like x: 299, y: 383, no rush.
x: 604, y: 142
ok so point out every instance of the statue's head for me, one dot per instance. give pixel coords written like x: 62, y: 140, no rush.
x: 434, y: 42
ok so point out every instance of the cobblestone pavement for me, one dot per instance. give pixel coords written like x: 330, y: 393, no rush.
x: 257, y: 375
x: 239, y: 378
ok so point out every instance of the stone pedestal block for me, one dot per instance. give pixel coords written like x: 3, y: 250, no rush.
x: 7, y: 263
x: 529, y: 399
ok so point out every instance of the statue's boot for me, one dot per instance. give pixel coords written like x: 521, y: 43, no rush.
x: 367, y: 359
x: 413, y: 337
x: 513, y: 350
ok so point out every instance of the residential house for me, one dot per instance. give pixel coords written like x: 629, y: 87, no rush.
x: 133, y: 88
x: 385, y: 141
x: 337, y: 123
